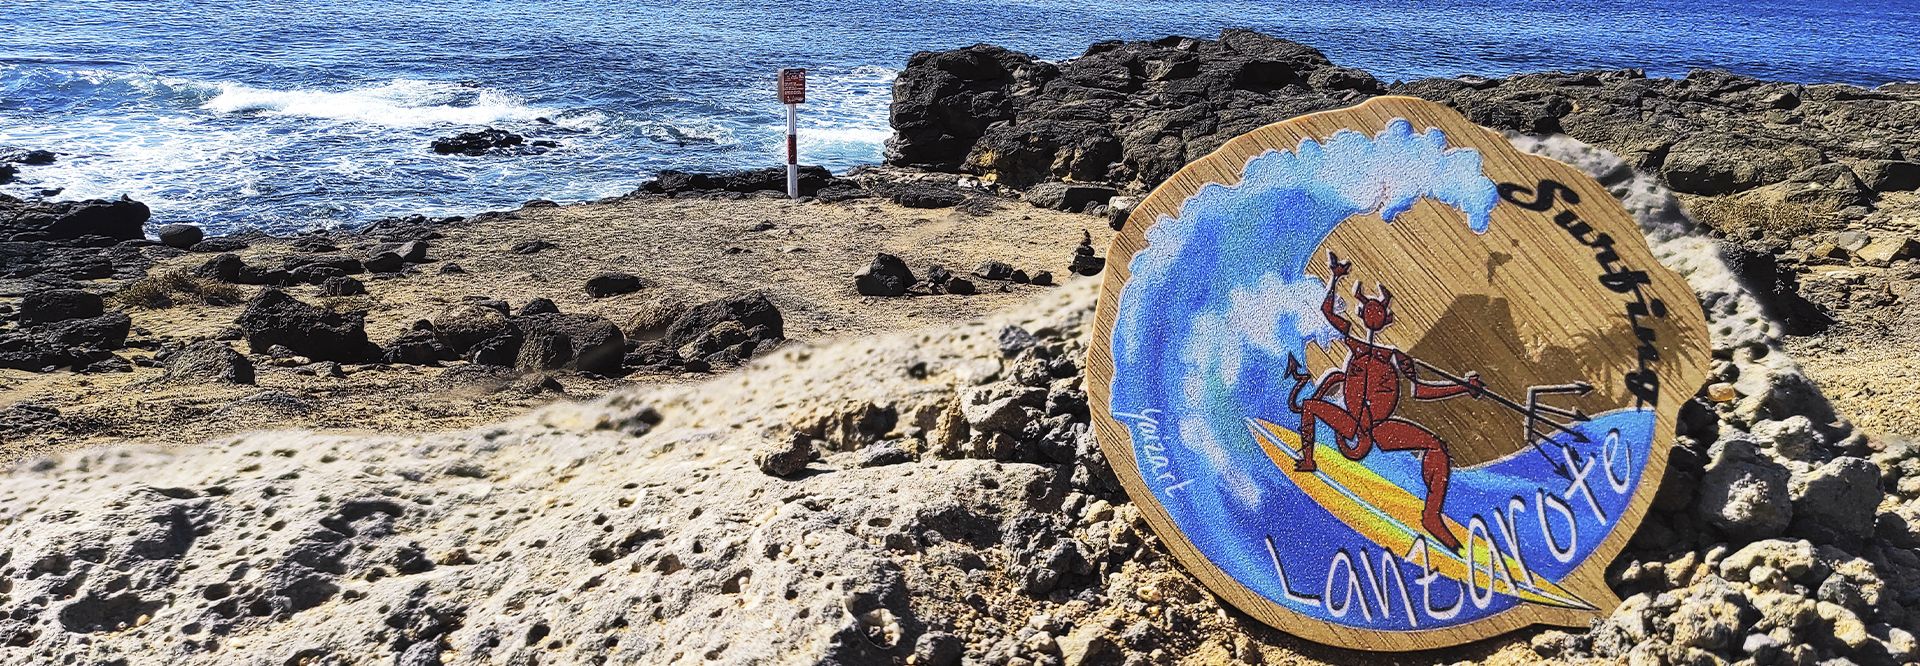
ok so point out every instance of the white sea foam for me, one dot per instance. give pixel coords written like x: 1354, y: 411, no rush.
x: 396, y: 103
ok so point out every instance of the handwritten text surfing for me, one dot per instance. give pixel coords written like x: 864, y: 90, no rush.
x: 1641, y: 382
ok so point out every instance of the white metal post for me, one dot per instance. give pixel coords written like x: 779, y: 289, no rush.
x: 793, y: 157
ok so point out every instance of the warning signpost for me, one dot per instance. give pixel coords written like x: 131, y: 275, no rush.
x: 793, y: 93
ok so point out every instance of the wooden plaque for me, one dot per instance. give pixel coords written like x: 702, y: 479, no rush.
x: 1385, y: 382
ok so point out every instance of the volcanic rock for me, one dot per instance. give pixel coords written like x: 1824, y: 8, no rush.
x: 180, y: 236
x: 122, y: 219
x: 59, y: 305
x: 1070, y: 197
x: 886, y: 276
x: 489, y: 141
x: 207, y: 362
x: 771, y: 179
x: 582, y: 341
x: 615, y: 283
x: 275, y: 318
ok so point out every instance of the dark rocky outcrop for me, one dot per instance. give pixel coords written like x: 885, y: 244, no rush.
x: 26, y: 157
x: 60, y: 305
x: 723, y: 331
x: 813, y: 179
x: 275, y: 318
x: 490, y: 141
x: 69, y: 341
x: 1135, y: 112
x: 120, y: 219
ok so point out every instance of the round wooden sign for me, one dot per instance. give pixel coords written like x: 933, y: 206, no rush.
x: 1385, y: 382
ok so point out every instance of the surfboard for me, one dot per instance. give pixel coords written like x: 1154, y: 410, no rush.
x: 1389, y: 516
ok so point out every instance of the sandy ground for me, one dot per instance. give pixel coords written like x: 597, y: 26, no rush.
x: 802, y: 254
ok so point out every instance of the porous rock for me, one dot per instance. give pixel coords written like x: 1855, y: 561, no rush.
x: 208, y: 362
x: 887, y: 275
x: 275, y: 318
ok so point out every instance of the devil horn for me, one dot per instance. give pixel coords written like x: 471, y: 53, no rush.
x: 1386, y: 295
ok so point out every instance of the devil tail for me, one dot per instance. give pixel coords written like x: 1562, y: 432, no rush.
x: 1300, y: 378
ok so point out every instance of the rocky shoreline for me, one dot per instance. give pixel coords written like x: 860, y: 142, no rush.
x: 925, y: 497
x: 415, y: 324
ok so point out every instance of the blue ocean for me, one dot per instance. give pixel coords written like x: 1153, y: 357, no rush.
x: 301, y: 113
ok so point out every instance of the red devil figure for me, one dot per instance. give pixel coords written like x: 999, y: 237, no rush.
x: 1371, y: 378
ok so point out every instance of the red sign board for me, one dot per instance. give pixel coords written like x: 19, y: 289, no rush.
x: 793, y: 85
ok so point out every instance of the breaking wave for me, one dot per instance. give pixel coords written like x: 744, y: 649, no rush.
x: 396, y: 103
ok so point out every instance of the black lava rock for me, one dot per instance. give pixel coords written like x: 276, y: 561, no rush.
x: 116, y: 220
x: 60, y: 305
x: 615, y: 283
x: 994, y: 270
x: 593, y: 344
x: 886, y: 276
x: 385, y: 262
x: 771, y: 179
x: 180, y: 236
x: 1084, y: 261
x: 539, y: 306
x: 490, y: 141
x: 275, y: 318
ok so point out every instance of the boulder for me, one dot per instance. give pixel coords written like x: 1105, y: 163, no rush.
x: 461, y: 327
x: 726, y: 330
x: 1885, y: 249
x: 417, y: 347
x: 786, y: 455
x: 651, y: 320
x: 58, y: 305
x: 593, y: 343
x: 27, y: 157
x: 1889, y: 175
x: 275, y: 318
x: 614, y: 283
x: 180, y: 236
x: 994, y: 270
x: 1745, y: 494
x: 207, y: 362
x: 1070, y: 197
x: 384, y: 262
x: 886, y: 276
x: 538, y: 306
x: 121, y: 219
x: 1835, y: 502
